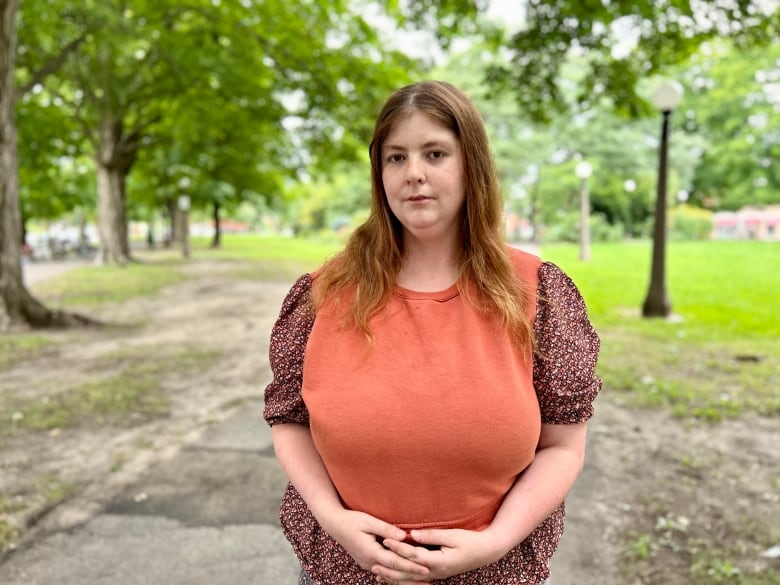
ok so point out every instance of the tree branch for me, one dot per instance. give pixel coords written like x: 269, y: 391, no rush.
x: 52, y: 64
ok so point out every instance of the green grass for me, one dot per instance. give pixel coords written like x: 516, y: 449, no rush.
x: 722, y: 290
x: 8, y: 507
x: 135, y: 393
x: 255, y: 256
x: 268, y: 248
x: 19, y: 346
x: 54, y: 490
x: 7, y: 535
x: 671, y: 544
x: 268, y: 257
x: 718, y: 358
x: 90, y: 285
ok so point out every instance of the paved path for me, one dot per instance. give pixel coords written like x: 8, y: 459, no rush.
x: 206, y: 516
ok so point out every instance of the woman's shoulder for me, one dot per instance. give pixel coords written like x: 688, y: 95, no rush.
x: 297, y: 301
x: 526, y: 263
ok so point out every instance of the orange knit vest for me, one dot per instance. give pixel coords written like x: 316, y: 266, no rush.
x: 430, y: 426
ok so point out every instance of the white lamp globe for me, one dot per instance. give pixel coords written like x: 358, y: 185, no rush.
x: 668, y: 96
x: 583, y: 169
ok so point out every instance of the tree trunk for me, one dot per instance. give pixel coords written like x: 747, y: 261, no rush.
x: 217, y: 241
x: 115, y: 158
x: 109, y: 217
x: 17, y: 305
x: 173, y: 216
x: 124, y: 237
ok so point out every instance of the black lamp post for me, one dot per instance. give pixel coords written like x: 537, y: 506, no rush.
x: 657, y: 304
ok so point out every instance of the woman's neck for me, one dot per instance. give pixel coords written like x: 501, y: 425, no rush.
x: 428, y: 268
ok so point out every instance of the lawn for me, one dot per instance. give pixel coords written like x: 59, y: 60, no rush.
x: 718, y: 356
x: 719, y: 289
x: 254, y: 247
x: 270, y: 257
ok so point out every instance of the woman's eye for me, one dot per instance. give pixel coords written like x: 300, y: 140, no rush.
x: 436, y: 154
x: 395, y: 158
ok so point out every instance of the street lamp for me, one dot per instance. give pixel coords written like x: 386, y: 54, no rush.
x: 657, y: 304
x: 630, y: 186
x: 583, y: 170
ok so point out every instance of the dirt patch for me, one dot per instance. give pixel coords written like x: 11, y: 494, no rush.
x: 665, y: 501
x: 661, y: 500
x: 202, y: 343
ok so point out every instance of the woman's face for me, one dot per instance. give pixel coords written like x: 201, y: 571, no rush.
x: 422, y: 173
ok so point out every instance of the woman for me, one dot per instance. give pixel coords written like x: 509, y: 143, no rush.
x: 431, y: 386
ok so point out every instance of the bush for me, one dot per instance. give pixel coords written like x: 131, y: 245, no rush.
x: 689, y: 223
x: 567, y: 229
x: 603, y: 231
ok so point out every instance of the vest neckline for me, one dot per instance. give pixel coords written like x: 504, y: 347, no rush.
x: 440, y: 295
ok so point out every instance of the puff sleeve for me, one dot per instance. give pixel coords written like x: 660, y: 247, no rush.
x: 567, y: 350
x: 283, y: 401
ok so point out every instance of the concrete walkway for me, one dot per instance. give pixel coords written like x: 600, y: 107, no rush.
x: 206, y: 516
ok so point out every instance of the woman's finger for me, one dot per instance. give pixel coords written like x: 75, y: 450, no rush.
x: 385, y: 530
x: 399, y: 567
x: 408, y: 551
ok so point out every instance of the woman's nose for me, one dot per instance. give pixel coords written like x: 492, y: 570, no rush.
x: 415, y: 172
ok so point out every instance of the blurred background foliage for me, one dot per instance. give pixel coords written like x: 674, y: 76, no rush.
x: 262, y: 110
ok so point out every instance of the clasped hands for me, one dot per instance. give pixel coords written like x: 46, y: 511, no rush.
x: 379, y: 547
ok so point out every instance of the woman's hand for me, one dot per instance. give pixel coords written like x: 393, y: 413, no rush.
x: 361, y: 536
x: 459, y: 551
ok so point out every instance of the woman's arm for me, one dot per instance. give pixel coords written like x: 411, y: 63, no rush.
x: 538, y: 491
x: 543, y: 486
x: 355, y: 531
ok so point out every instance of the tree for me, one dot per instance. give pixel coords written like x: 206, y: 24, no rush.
x: 623, y: 43
x: 333, y: 201
x: 733, y: 104
x: 143, y: 61
x: 54, y: 178
x: 536, y: 161
x: 16, y: 304
x: 620, y: 45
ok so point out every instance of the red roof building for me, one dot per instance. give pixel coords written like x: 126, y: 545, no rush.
x: 748, y: 223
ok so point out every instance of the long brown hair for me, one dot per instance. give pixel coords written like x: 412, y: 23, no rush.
x: 370, y: 262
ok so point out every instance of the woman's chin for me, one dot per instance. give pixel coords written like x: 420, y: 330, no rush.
x: 428, y: 228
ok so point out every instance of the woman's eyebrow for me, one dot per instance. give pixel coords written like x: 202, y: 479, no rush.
x: 437, y: 144
x: 426, y: 145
